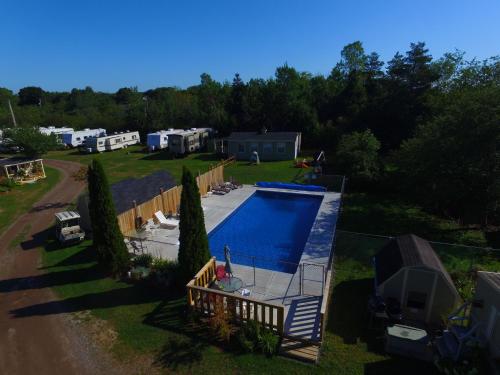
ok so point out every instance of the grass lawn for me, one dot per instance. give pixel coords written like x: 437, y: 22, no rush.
x: 132, y: 162
x: 21, y: 198
x: 153, y: 322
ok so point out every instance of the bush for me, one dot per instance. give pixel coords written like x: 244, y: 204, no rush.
x: 268, y: 342
x: 245, y: 343
x: 252, y: 331
x: 220, y: 321
x: 252, y: 337
x: 143, y: 260
x: 165, y: 270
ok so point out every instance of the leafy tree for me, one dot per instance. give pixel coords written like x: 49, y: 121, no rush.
x: 357, y: 156
x: 452, y: 165
x: 193, y: 249
x: 30, y: 96
x: 107, y: 237
x: 31, y: 141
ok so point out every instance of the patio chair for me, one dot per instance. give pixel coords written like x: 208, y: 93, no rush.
x: 220, y: 272
x: 164, y: 222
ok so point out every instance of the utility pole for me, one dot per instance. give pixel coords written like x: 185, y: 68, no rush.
x: 12, y: 114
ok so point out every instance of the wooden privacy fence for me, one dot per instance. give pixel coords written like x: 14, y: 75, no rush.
x: 168, y: 201
x: 240, y: 309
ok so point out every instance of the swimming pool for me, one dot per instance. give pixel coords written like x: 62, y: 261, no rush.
x: 271, y: 226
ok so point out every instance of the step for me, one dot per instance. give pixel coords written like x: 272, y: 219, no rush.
x: 299, y: 350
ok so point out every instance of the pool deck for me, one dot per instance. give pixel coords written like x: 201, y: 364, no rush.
x: 264, y: 284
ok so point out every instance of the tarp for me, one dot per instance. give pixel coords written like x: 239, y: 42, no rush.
x: 282, y: 185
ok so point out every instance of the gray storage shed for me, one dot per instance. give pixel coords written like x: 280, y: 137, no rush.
x: 269, y: 145
x: 486, y: 309
x: 408, y: 270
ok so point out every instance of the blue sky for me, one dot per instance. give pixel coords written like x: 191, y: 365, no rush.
x: 108, y: 44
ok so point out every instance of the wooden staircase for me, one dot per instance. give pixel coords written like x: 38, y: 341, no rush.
x: 302, y: 330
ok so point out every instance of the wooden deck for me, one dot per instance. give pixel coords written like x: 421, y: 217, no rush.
x: 299, y: 350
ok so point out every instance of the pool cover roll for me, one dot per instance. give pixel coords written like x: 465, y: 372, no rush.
x: 282, y: 185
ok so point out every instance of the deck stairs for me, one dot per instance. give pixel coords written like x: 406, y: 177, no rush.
x: 302, y: 330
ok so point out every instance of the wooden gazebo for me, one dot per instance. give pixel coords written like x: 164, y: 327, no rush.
x: 22, y: 171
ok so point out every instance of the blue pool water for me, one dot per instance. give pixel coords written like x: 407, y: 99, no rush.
x: 271, y: 226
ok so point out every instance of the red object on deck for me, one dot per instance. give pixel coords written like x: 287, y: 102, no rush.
x: 220, y: 272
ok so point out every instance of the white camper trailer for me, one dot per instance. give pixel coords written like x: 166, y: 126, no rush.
x: 111, y: 142
x: 76, y: 138
x: 191, y: 140
x: 159, y: 140
x: 53, y: 130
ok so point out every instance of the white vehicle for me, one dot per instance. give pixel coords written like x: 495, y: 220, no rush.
x: 187, y: 141
x: 68, y: 227
x: 159, y: 140
x: 76, y: 138
x: 111, y: 142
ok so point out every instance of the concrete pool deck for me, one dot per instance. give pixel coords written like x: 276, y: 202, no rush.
x: 264, y: 284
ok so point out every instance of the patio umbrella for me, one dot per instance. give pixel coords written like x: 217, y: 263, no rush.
x: 227, y: 257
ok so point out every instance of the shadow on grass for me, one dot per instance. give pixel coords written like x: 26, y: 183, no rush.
x: 131, y: 295
x: 348, y: 313
x: 37, y: 240
x: 398, y: 365
x: 85, y: 256
x: 52, y: 279
x: 180, y: 352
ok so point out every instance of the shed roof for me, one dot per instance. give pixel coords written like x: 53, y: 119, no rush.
x: 268, y: 136
x: 491, y: 277
x: 67, y: 215
x: 140, y: 190
x: 14, y: 161
x: 406, y: 251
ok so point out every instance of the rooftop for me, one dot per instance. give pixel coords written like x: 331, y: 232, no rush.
x: 67, y: 215
x: 406, y: 251
x: 140, y: 190
x: 14, y: 161
x: 263, y: 136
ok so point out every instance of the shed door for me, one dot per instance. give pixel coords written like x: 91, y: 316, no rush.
x: 418, y: 293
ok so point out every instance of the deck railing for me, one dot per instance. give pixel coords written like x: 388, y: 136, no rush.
x: 239, y: 308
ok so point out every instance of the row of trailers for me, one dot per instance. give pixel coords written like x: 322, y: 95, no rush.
x: 178, y: 141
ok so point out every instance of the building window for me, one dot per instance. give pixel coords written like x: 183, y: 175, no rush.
x: 133, y: 137
x: 280, y: 148
x: 267, y: 148
x: 101, y: 142
x: 78, y: 139
x: 254, y: 147
x: 241, y: 147
x: 164, y: 138
x: 416, y: 300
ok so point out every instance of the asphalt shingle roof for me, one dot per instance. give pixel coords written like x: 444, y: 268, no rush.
x: 269, y: 136
x: 406, y: 251
x: 140, y: 189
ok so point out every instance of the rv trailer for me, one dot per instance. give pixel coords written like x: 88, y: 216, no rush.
x: 111, y: 142
x: 159, y: 140
x: 76, y: 138
x: 187, y: 141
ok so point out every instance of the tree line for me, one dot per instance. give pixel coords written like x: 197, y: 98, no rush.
x: 427, y: 128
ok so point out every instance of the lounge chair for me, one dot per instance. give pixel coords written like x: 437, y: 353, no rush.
x: 164, y: 222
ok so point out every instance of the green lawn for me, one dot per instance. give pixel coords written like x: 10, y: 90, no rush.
x: 153, y: 322
x: 132, y: 162
x: 21, y: 198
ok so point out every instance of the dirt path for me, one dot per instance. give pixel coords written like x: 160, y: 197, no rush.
x: 40, y: 344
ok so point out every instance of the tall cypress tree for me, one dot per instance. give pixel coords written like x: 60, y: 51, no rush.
x: 107, y: 237
x: 193, y: 249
